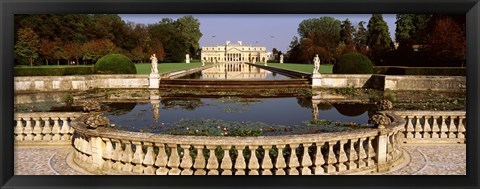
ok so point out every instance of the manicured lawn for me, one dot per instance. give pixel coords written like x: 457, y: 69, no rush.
x: 306, y: 68
x: 144, y: 68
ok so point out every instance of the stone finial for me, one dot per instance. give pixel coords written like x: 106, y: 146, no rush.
x: 384, y: 105
x: 91, y: 106
x: 97, y: 120
x: 380, y: 120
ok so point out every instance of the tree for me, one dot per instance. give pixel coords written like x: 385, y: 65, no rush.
x: 27, y: 45
x: 446, y: 44
x: 411, y: 29
x: 378, y: 38
x: 189, y: 29
x: 95, y: 49
x: 74, y: 50
x: 319, y: 36
x: 294, y: 53
x: 360, y: 38
x: 47, y: 49
x: 346, y: 32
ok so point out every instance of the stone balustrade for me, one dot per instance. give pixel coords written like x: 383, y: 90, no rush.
x: 433, y: 126
x: 44, y: 127
x: 110, y: 151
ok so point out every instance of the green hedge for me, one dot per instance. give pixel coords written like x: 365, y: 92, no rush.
x: 353, y: 63
x: 57, y: 71
x: 114, y: 64
x: 399, y: 70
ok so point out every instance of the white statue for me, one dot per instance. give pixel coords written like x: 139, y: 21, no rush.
x: 187, y: 58
x: 203, y: 62
x: 281, y: 58
x: 154, y: 64
x: 316, y: 64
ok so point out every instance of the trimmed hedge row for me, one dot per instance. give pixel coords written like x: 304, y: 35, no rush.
x: 399, y: 70
x: 62, y: 71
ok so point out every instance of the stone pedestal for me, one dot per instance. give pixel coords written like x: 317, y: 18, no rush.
x: 316, y: 80
x: 154, y: 80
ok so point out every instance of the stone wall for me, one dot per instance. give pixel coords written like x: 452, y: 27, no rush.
x: 434, y: 83
x: 79, y: 83
x: 383, y: 82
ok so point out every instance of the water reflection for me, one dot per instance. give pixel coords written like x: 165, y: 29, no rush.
x: 235, y: 71
x: 285, y: 111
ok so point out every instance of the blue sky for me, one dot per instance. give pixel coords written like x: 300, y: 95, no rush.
x: 271, y: 30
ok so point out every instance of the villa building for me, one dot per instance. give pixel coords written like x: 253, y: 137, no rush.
x: 234, y: 53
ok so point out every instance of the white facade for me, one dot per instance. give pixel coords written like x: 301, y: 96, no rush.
x: 234, y: 53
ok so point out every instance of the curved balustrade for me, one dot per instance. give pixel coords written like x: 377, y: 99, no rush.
x: 44, y: 127
x: 437, y: 126
x: 108, y: 151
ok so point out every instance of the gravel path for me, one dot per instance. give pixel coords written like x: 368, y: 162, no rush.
x: 425, y: 159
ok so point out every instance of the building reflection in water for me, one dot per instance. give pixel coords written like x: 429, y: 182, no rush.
x: 234, y: 71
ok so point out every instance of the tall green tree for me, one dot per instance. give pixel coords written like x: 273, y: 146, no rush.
x: 378, y: 38
x: 27, y: 46
x: 346, y: 32
x: 412, y: 29
x: 360, y: 38
x: 189, y: 29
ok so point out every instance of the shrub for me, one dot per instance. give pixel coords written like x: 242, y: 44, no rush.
x: 399, y: 70
x: 114, y: 64
x: 353, y: 63
x: 54, y: 71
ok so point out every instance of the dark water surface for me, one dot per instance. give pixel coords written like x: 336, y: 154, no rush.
x: 182, y: 112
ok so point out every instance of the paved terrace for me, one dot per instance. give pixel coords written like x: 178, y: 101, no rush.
x: 422, y: 159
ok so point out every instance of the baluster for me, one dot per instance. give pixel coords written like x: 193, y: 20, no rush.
x: 427, y: 128
x: 364, y: 156
x: 138, y: 157
x: 267, y: 164
x: 352, y: 155
x: 88, y: 150
x: 161, y: 160
x: 149, y: 160
x: 253, y: 164
x: 280, y: 163
x: 47, y: 129
x: 70, y: 132
x: 240, y: 164
x: 409, y: 128
x: 389, y: 148
x: 443, y: 128
x: 199, y: 164
x: 306, y: 160
x: 461, y: 127
x: 226, y: 165
x: 19, y: 129
x: 28, y: 130
x: 117, y: 155
x: 56, y: 129
x: 319, y: 159
x: 452, y: 129
x: 212, y: 164
x: 37, y: 129
x: 342, y: 157
x: 173, y: 160
x: 331, y: 158
x: 65, y: 128
x: 435, y: 128
x: 107, y: 154
x: 187, y: 161
x: 293, y: 160
x: 127, y: 157
x: 418, y: 128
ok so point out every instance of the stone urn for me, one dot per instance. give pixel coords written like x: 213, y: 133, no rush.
x: 96, y: 120
x: 380, y: 120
